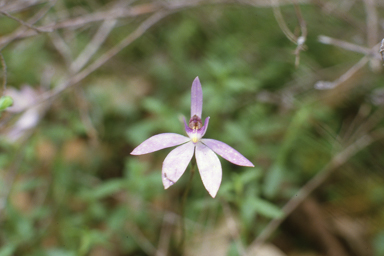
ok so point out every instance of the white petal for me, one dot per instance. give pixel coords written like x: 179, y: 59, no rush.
x: 159, y: 141
x: 227, y: 152
x: 175, y: 163
x: 209, y: 168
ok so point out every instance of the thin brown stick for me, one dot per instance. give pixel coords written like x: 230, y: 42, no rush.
x: 19, y: 5
x: 231, y: 223
x: 301, y: 39
x: 105, y: 57
x: 326, y: 85
x: 337, y: 161
x: 140, y: 238
x: 372, y: 21
x: 349, y: 46
x: 134, y: 11
x: 85, y: 116
x: 62, y: 47
x: 165, y: 234
x: 39, y: 30
x: 92, y: 47
x: 3, y: 64
x: 182, y: 208
x: 281, y: 22
x: 22, y: 30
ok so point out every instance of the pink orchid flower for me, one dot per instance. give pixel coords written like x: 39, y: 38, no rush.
x: 178, y: 159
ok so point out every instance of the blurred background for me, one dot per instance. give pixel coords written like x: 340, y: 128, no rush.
x: 295, y: 86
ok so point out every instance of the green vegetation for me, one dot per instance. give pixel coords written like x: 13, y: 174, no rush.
x: 68, y: 185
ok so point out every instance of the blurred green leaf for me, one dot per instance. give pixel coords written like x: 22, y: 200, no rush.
x: 105, y: 189
x: 378, y: 244
x: 273, y: 179
x: 5, y: 102
x: 91, y: 238
x: 60, y: 252
x: 8, y: 250
x: 266, y: 208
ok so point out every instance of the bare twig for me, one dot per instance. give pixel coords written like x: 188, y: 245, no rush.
x: 61, y: 46
x: 11, y: 173
x: 372, y: 23
x: 92, y: 46
x: 282, y: 24
x: 372, y: 30
x: 141, y: 240
x: 83, y: 20
x: 4, y: 73
x: 337, y: 161
x: 232, y: 227
x: 19, y: 5
x: 299, y: 41
x: 169, y: 220
x: 39, y: 30
x: 349, y: 46
x: 22, y: 30
x: 368, y: 124
x: 133, y: 11
x: 105, y: 57
x: 85, y: 117
x: 326, y: 85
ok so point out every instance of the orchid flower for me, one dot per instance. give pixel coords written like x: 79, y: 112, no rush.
x: 178, y: 159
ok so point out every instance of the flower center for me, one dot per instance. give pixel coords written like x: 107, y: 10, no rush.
x: 195, y: 124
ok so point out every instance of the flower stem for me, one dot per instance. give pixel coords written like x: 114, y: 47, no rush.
x: 184, y: 199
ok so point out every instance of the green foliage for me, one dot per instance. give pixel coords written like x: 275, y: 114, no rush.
x: 72, y: 188
x: 5, y: 102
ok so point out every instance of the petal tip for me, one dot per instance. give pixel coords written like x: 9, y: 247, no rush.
x: 213, y: 195
x: 248, y: 164
x: 167, y: 182
x: 134, y: 153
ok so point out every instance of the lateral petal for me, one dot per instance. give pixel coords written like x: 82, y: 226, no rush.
x: 227, y: 152
x: 159, y: 141
x: 203, y: 129
x: 175, y: 163
x: 209, y: 167
x: 196, y: 98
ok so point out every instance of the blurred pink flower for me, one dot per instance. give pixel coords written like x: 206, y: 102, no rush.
x: 22, y: 99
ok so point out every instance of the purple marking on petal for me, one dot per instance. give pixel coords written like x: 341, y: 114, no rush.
x: 196, y: 135
x: 209, y: 168
x: 227, y: 152
x: 159, y: 141
x: 196, y: 98
x: 175, y: 163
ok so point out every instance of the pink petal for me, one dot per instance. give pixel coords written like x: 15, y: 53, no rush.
x: 175, y: 163
x: 209, y: 168
x: 160, y: 141
x: 196, y: 98
x: 203, y: 129
x: 227, y: 152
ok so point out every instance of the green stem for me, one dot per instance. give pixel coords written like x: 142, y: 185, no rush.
x: 184, y: 199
